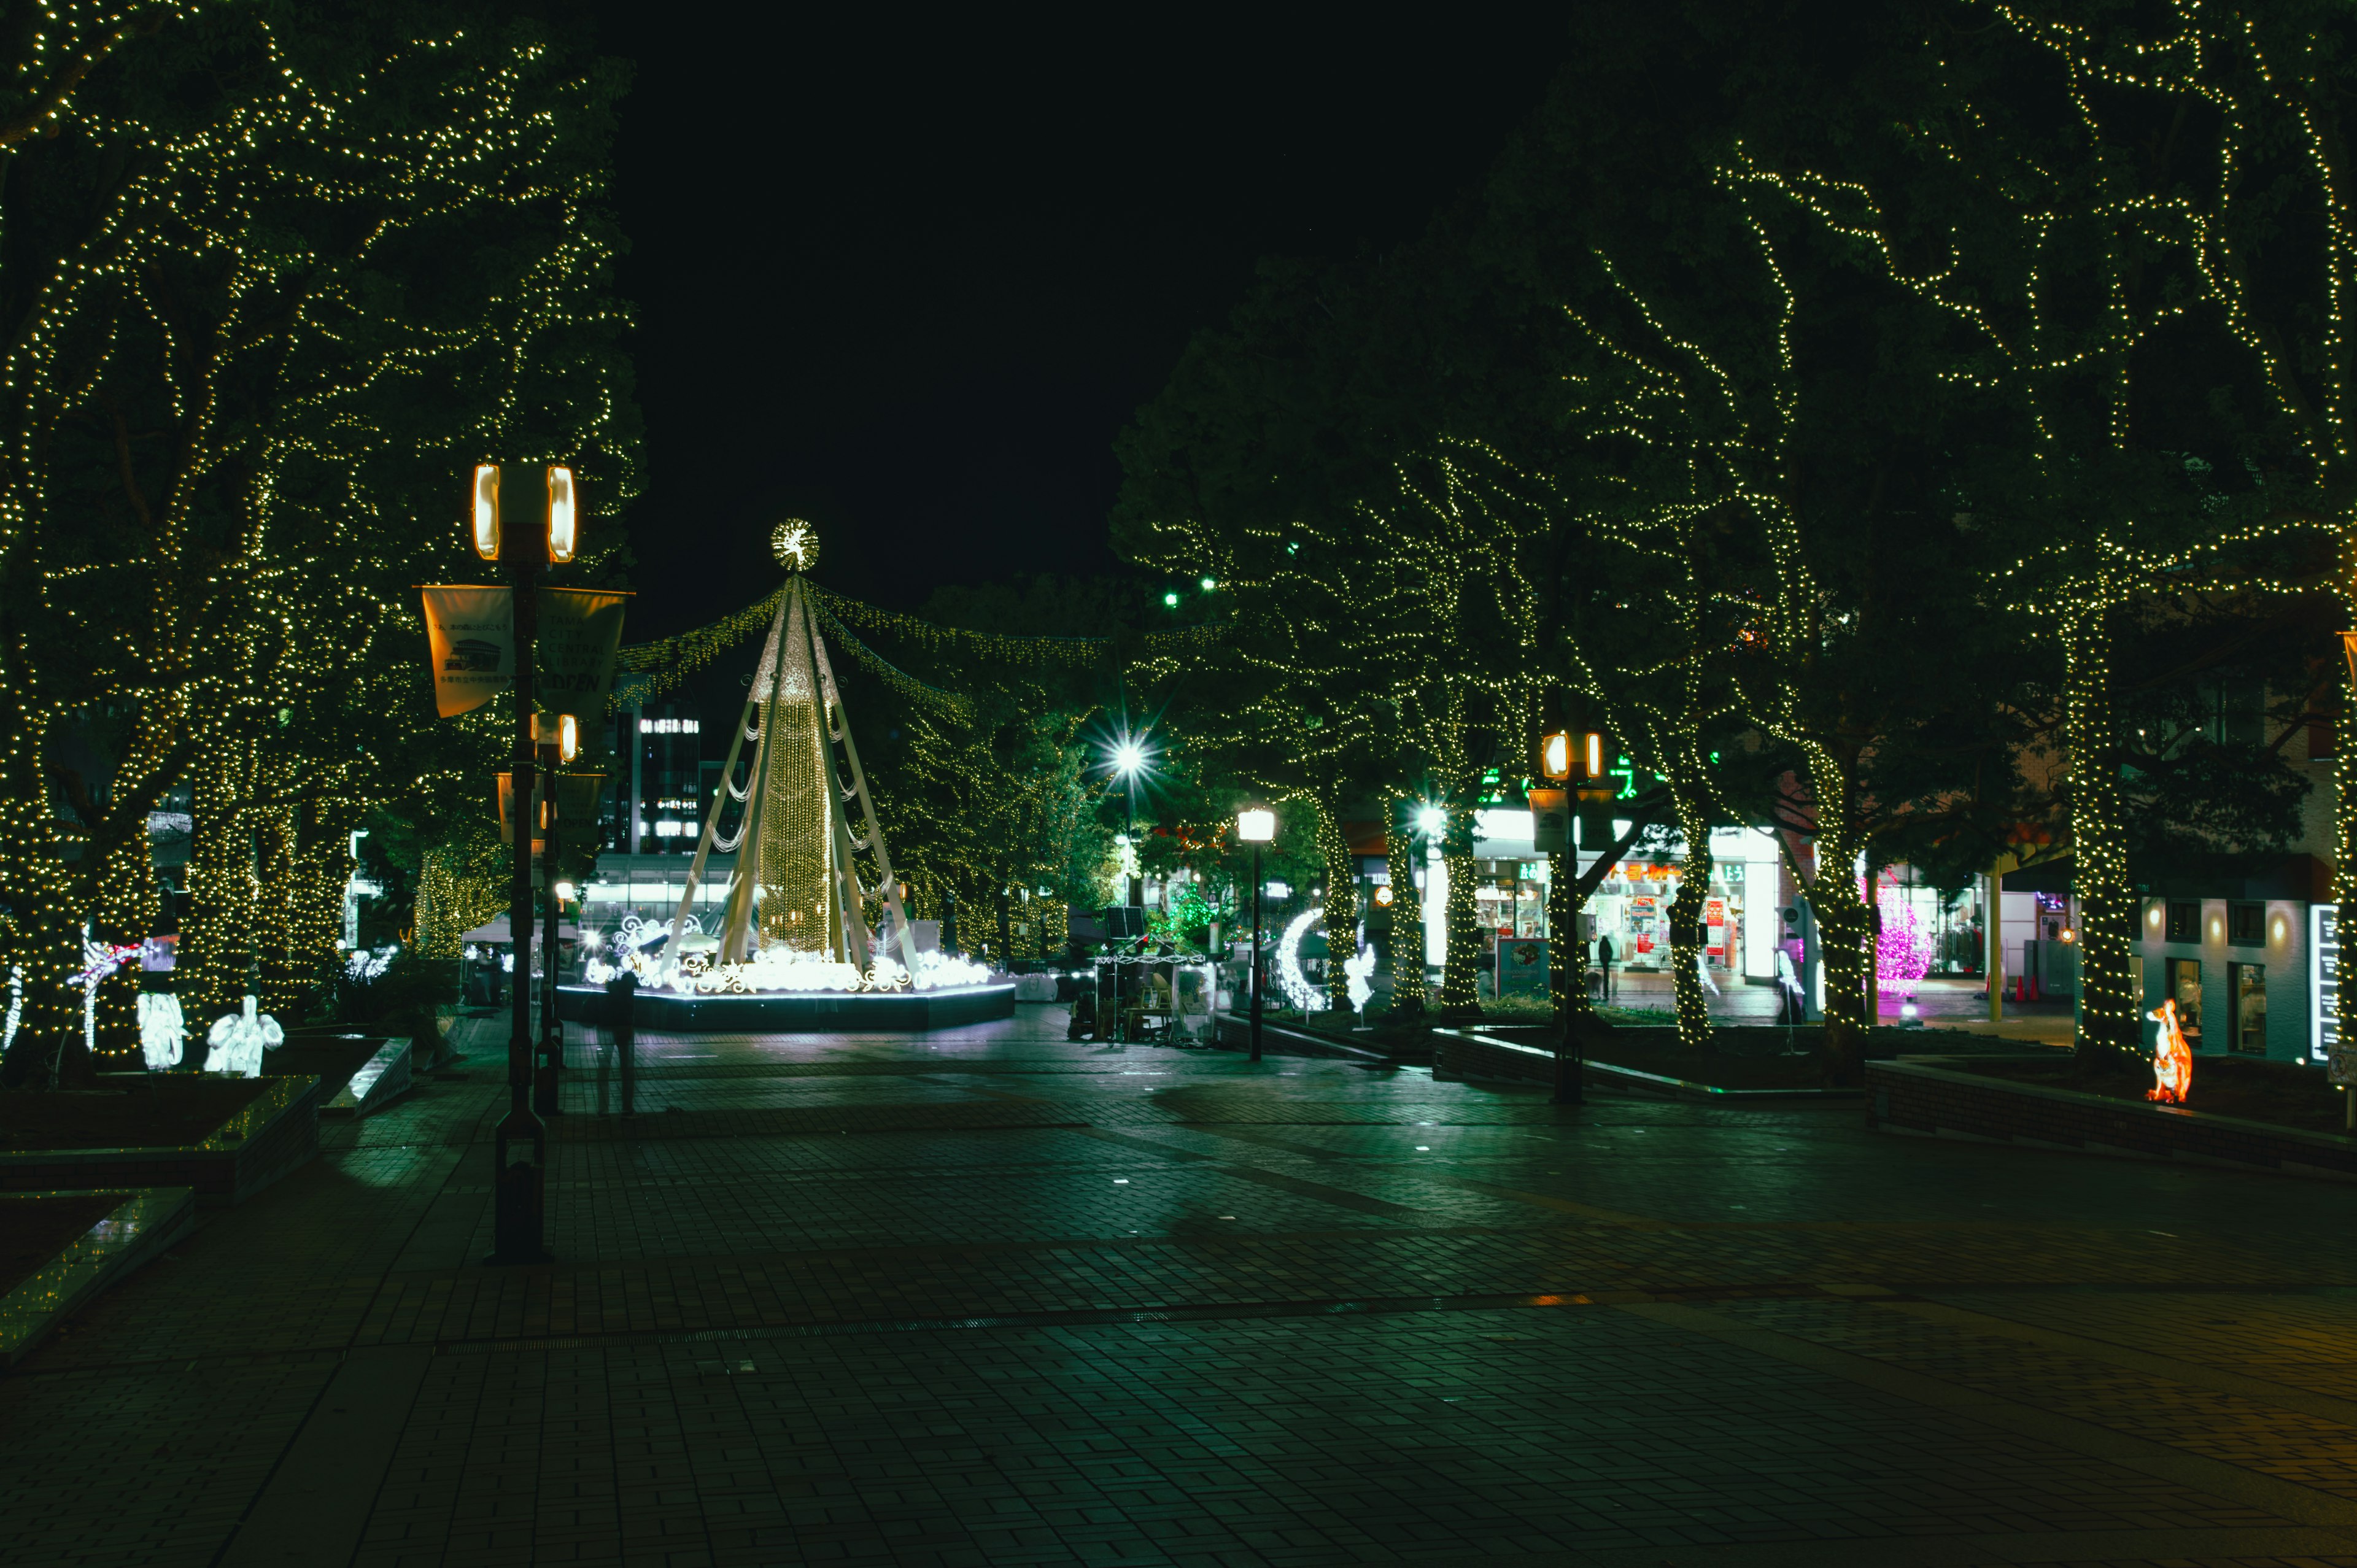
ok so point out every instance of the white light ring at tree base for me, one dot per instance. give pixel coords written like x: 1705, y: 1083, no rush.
x: 784, y: 974
x: 1289, y: 978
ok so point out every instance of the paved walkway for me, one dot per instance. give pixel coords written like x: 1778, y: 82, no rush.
x: 990, y: 1297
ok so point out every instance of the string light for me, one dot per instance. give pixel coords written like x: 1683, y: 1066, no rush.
x: 288, y: 390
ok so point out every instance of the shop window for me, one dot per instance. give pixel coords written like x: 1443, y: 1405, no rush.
x: 2184, y: 920
x: 2247, y: 984
x: 2246, y: 925
x: 2184, y: 977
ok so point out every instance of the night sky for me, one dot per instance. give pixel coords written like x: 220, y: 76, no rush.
x: 908, y: 278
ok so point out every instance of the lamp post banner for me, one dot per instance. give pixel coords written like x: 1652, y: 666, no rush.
x: 580, y: 633
x: 470, y: 633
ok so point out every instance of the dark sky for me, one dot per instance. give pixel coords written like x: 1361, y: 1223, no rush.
x: 908, y: 277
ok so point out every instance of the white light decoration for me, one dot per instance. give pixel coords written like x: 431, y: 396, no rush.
x: 364, y: 965
x: 1360, y: 970
x: 487, y: 510
x: 564, y: 521
x: 99, y: 960
x: 237, y: 1041
x: 162, y: 1031
x: 1295, y: 986
x: 15, y: 1006
x: 795, y: 544
x: 782, y: 968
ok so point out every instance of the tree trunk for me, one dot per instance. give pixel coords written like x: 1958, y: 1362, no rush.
x: 1458, y: 998
x: 40, y: 932
x: 1842, y: 939
x: 216, y: 947
x: 1686, y: 925
x: 1567, y: 955
x: 278, y: 979
x: 1407, y: 921
x: 129, y: 898
x: 2344, y: 815
x: 2110, y: 1013
x: 323, y: 870
x: 1843, y: 928
x: 1341, y: 906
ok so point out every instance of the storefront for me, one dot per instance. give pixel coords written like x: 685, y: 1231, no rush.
x: 1943, y: 926
x: 1632, y: 908
x: 1509, y: 900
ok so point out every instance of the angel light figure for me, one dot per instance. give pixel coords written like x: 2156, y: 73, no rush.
x: 238, y: 1041
x: 161, y: 1029
x: 2172, y: 1059
x: 1359, y: 974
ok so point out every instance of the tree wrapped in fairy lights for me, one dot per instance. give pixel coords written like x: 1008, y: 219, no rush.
x: 282, y: 273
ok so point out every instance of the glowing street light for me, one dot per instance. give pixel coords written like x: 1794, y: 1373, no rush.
x: 1255, y: 825
x: 1128, y: 759
x: 563, y: 515
x: 1431, y: 820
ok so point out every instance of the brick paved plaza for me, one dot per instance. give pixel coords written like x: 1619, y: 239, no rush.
x: 993, y: 1297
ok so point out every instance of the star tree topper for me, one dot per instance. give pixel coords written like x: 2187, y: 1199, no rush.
x: 796, y: 544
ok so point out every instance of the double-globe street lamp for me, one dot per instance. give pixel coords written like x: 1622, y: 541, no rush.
x: 1255, y: 825
x: 520, y: 1142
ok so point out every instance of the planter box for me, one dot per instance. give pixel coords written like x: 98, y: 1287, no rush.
x: 1928, y: 1099
x: 1233, y: 1032
x: 277, y: 1132
x: 382, y: 1080
x: 1471, y: 1053
x: 142, y: 1224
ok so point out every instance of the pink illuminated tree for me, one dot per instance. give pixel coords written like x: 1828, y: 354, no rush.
x: 1902, y: 953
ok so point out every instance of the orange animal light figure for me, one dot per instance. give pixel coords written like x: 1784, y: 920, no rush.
x: 2172, y: 1059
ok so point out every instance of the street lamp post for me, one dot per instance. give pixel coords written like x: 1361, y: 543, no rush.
x: 1255, y: 825
x: 520, y: 1140
x: 558, y: 744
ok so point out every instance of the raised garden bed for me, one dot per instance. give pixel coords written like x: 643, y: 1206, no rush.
x: 358, y: 1074
x: 1954, y: 1098
x: 1292, y: 1037
x: 59, y: 1249
x: 126, y: 1111
x: 35, y: 1229
x: 226, y: 1138
x: 1744, y: 1059
x: 2284, y: 1094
